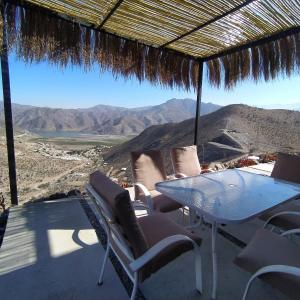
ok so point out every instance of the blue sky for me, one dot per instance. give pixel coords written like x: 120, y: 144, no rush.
x: 48, y: 85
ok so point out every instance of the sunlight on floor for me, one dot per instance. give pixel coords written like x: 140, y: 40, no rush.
x: 63, y: 242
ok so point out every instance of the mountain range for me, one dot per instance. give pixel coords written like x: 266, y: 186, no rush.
x: 290, y: 106
x: 104, y: 119
x: 229, y: 132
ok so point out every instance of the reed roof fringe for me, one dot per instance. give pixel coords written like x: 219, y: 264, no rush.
x: 37, y: 34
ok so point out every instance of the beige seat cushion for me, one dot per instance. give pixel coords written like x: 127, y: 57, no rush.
x: 148, y: 169
x: 119, y: 202
x: 285, y: 222
x: 287, y: 167
x: 162, y: 203
x: 142, y: 233
x: 185, y: 160
x: 156, y: 227
x: 267, y: 248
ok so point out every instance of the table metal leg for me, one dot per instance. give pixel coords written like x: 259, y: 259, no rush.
x: 214, y: 230
x: 194, y: 220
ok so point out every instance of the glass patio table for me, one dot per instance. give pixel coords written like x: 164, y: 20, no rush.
x: 227, y: 197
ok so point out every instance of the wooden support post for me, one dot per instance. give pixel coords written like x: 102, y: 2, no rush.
x: 8, y: 116
x: 198, y: 106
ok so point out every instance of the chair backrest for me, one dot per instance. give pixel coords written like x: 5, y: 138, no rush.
x: 185, y: 160
x: 287, y: 167
x: 147, y: 168
x: 118, y: 209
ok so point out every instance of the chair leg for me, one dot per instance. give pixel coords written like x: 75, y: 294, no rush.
x: 248, y: 286
x: 183, y: 216
x: 192, y: 216
x: 100, y: 281
x: 198, y: 269
x: 135, y: 286
x: 195, y: 220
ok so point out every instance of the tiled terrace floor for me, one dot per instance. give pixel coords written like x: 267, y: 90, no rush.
x: 50, y: 251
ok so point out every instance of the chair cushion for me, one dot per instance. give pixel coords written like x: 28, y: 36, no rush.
x: 148, y: 169
x: 156, y: 227
x: 267, y: 248
x: 285, y: 222
x: 162, y: 203
x: 287, y: 168
x: 185, y: 160
x: 118, y: 200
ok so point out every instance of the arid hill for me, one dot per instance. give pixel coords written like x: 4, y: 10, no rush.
x: 104, y: 119
x: 227, y: 133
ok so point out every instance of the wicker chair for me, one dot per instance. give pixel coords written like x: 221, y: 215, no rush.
x: 143, y: 245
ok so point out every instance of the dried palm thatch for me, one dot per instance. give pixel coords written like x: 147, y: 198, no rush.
x: 38, y: 36
x: 267, y: 61
x: 131, y: 42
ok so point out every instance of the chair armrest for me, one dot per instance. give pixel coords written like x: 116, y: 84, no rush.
x: 147, y: 195
x: 158, y: 248
x: 282, y: 213
x: 141, y: 205
x: 142, y: 188
x: 292, y: 231
x: 278, y: 269
x: 180, y: 175
x: 272, y: 269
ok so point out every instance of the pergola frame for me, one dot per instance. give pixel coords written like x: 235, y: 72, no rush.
x: 6, y: 82
x: 8, y: 117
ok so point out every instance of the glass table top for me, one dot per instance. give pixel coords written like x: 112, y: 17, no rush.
x: 230, y: 196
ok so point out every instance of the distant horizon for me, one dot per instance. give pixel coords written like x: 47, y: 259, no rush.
x: 289, y: 106
x: 47, y: 85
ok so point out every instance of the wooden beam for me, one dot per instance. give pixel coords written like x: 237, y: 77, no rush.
x: 119, y: 2
x: 209, y: 22
x: 8, y: 116
x: 198, y: 105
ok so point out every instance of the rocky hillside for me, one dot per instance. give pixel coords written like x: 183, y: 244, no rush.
x: 227, y: 133
x: 104, y: 119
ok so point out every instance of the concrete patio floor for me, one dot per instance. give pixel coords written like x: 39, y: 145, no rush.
x: 51, y: 251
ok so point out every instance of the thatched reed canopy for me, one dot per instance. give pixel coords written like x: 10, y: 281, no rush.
x: 162, y: 41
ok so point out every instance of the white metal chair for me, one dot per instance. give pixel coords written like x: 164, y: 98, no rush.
x: 141, y: 245
x: 286, y: 216
x: 273, y: 258
x: 148, y: 169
